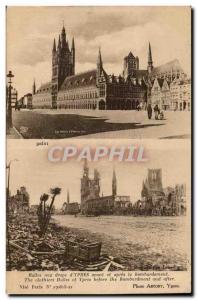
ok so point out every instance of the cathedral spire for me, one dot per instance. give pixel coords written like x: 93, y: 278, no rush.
x: 34, y: 87
x: 114, y: 184
x: 73, y: 44
x: 63, y: 30
x: 59, y: 43
x: 63, y: 37
x: 54, y: 46
x: 99, y: 63
x: 150, y: 60
x: 68, y: 197
x: 149, y: 54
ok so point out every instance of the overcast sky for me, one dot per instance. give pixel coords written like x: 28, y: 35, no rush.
x: 38, y: 174
x: 117, y: 30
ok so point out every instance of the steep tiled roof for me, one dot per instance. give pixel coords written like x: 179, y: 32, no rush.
x: 141, y: 73
x: 173, y: 65
x: 44, y: 88
x: 80, y: 80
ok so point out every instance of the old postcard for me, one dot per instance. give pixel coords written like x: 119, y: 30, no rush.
x: 99, y: 72
x: 98, y: 195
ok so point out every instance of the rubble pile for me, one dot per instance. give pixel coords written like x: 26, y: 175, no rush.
x: 27, y: 251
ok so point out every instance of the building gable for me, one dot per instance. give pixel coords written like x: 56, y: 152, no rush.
x: 156, y: 86
x: 165, y: 86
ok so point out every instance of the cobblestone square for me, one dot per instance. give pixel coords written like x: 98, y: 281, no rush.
x: 51, y: 124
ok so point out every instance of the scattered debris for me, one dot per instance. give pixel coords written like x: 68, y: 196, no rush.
x: 59, y: 249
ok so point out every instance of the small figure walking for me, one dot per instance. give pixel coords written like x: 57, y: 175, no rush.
x: 156, y: 111
x: 149, y: 111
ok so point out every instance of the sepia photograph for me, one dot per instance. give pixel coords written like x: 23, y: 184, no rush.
x: 98, y: 189
x: 98, y: 72
x: 87, y: 216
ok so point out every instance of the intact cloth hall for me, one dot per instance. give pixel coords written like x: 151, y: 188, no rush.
x: 95, y: 89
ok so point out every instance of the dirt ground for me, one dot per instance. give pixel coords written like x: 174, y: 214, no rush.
x: 140, y: 243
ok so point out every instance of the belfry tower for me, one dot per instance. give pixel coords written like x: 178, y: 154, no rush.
x: 84, y: 186
x: 150, y: 60
x: 63, y: 63
x: 90, y: 187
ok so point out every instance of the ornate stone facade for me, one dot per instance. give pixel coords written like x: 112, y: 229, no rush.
x: 95, y: 89
x: 171, y: 95
x: 180, y: 92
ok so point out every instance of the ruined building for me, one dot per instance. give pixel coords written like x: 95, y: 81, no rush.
x: 94, y: 204
x: 176, y: 199
x: 19, y: 203
x: 70, y: 208
x: 152, y: 186
x: 156, y: 200
x: 90, y: 188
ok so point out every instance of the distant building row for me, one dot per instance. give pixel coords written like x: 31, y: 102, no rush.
x: 24, y: 102
x: 168, y: 95
x: 175, y: 95
x: 14, y: 96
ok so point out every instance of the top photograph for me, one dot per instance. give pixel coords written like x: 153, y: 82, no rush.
x: 98, y: 72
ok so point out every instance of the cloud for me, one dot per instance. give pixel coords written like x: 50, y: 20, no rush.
x: 32, y: 29
x: 117, y: 30
x: 37, y: 50
x: 106, y: 21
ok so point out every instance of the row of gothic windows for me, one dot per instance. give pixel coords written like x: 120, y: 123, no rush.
x: 88, y: 95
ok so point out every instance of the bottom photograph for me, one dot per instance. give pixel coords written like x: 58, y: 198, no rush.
x: 94, y: 217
